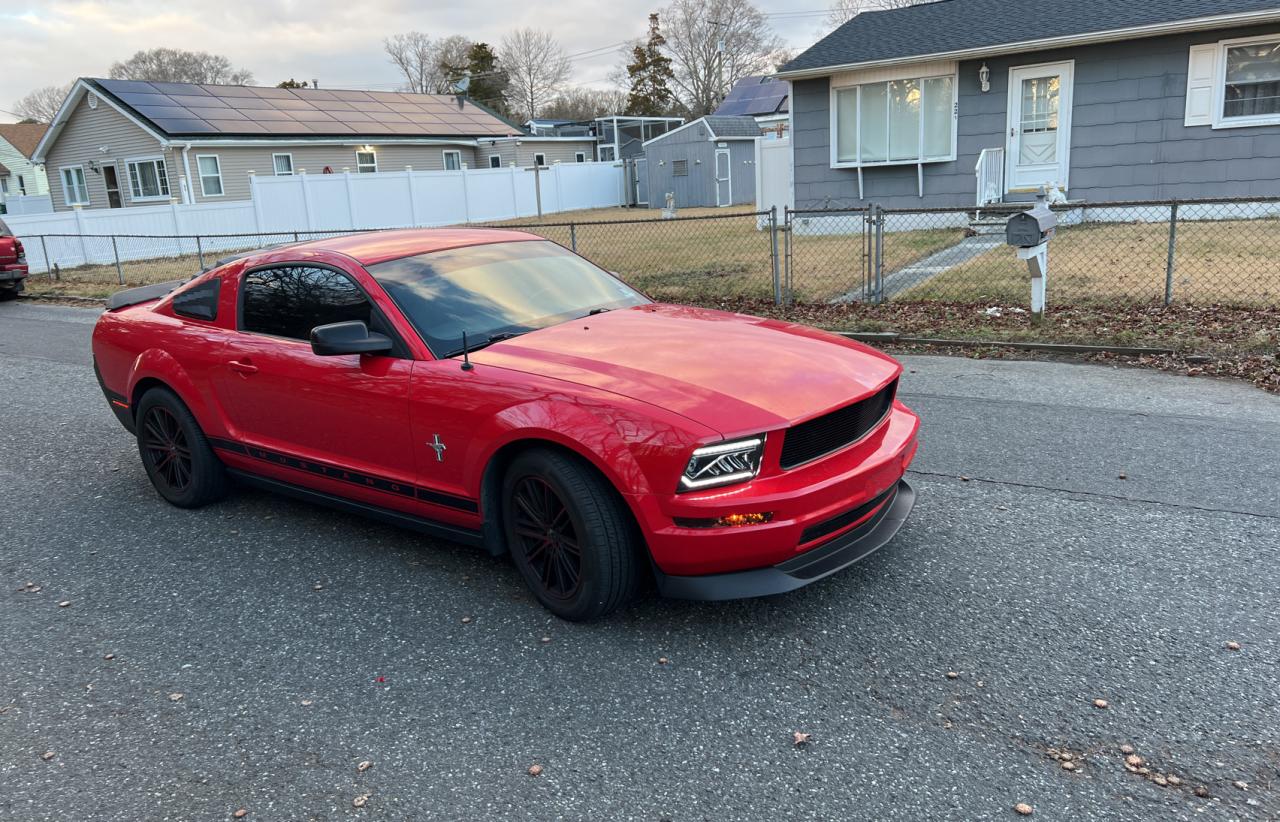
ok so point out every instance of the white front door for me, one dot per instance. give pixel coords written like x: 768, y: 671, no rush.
x: 1039, y: 147
x: 724, y: 181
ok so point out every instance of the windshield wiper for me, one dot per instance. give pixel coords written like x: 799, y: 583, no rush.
x: 596, y: 311
x: 490, y: 340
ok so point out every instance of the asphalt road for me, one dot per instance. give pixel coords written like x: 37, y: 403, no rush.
x: 1044, y: 580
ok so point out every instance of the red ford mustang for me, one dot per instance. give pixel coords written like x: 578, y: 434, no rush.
x: 492, y: 387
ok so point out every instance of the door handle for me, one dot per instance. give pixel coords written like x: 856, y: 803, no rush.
x: 242, y: 367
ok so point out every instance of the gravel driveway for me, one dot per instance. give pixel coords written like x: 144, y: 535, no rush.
x: 1083, y: 533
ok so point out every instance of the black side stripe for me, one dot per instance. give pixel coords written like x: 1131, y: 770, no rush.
x: 346, y: 475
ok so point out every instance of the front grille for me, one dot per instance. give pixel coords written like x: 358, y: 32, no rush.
x: 831, y: 432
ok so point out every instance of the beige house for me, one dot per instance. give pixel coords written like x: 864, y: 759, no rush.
x: 123, y: 143
x: 18, y: 175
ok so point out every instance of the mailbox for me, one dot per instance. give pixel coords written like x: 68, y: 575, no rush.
x: 1032, y: 227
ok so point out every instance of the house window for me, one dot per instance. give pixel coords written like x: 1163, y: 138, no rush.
x: 495, y: 161
x: 895, y: 122
x: 679, y: 168
x: 580, y: 156
x: 1251, y: 81
x: 283, y: 164
x: 22, y: 186
x: 539, y: 159
x: 366, y: 162
x: 74, y: 190
x: 607, y: 154
x: 148, y: 179
x: 4, y: 185
x: 452, y: 160
x: 210, y: 171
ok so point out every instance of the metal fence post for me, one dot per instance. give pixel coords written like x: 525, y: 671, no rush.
x: 879, y: 255
x: 48, y: 264
x: 200, y: 252
x: 573, y: 237
x: 295, y: 236
x: 773, y: 255
x: 115, y: 250
x: 1173, y: 244
x: 788, y: 272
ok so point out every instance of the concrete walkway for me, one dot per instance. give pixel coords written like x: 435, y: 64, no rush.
x: 926, y: 269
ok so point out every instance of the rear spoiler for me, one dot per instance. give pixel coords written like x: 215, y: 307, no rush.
x: 144, y: 294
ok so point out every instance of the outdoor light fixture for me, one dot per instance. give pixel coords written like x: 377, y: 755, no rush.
x: 984, y: 77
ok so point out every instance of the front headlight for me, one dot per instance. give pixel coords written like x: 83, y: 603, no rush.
x: 723, y: 464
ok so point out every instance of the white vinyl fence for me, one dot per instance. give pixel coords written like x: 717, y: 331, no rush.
x: 18, y: 204
x: 284, y: 207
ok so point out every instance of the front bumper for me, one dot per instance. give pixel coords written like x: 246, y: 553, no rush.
x: 803, y: 568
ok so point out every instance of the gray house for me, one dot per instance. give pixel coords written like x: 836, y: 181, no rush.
x: 707, y: 162
x: 967, y: 102
x: 125, y: 143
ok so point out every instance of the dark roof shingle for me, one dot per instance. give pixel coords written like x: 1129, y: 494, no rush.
x: 733, y: 126
x: 959, y: 25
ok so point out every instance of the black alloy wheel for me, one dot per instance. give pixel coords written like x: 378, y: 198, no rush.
x: 175, y: 452
x: 570, y: 534
x: 547, y: 537
x: 167, y: 448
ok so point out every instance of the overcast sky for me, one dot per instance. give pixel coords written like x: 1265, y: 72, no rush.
x: 337, y: 41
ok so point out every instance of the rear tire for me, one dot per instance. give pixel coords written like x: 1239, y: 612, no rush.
x: 570, y: 536
x: 175, y: 453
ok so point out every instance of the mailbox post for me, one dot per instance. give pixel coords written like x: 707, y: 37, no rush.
x: 1030, y: 232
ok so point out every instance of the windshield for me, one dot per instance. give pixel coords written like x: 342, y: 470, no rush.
x: 496, y: 291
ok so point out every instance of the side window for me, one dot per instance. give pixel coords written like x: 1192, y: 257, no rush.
x: 199, y: 302
x: 289, y: 301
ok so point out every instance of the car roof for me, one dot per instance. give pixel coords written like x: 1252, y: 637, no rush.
x: 379, y: 246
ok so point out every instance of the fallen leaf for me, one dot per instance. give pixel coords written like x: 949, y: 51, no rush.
x: 1066, y: 756
x: 108, y: 657
x: 240, y: 814
x: 1241, y: 784
x: 800, y: 738
x: 466, y: 620
x: 1233, y: 646
x: 1133, y: 759
x: 1173, y: 780
x: 307, y: 703
x: 535, y: 770
x: 1122, y: 476
x: 545, y: 640
x: 64, y: 603
x: 963, y: 478
x: 1160, y: 779
x: 1201, y: 790
x: 1126, y: 749
x: 364, y: 766
x: 1024, y: 809
x: 952, y: 674
x: 360, y: 800
x: 1068, y: 765
x: 1100, y: 703
x: 47, y: 755
x: 317, y: 587
x: 662, y: 660
x: 175, y: 696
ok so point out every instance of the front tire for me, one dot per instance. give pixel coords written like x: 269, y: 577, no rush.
x: 569, y: 535
x: 175, y: 453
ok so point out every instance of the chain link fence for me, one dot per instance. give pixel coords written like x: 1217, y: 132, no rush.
x: 1195, y: 252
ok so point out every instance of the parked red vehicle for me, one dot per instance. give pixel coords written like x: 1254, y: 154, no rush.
x: 13, y: 264
x: 494, y: 388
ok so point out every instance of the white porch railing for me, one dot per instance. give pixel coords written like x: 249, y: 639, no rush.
x: 990, y: 173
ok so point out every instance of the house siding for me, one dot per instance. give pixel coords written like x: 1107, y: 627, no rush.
x: 33, y: 176
x: 522, y: 155
x: 236, y: 162
x: 86, y: 133
x: 1128, y: 141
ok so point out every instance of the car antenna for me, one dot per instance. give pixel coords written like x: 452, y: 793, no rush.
x: 466, y: 360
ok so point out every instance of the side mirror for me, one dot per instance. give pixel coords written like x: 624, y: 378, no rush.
x: 351, y: 337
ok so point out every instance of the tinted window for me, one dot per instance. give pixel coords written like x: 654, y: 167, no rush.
x: 290, y: 301
x: 500, y: 288
x: 200, y: 301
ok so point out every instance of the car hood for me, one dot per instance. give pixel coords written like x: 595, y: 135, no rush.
x: 730, y: 372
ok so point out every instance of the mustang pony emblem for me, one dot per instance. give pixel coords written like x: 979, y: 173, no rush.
x: 439, y: 447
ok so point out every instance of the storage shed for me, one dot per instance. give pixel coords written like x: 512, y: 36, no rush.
x: 707, y: 162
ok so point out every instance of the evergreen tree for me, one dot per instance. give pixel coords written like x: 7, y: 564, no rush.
x: 650, y: 74
x: 489, y: 81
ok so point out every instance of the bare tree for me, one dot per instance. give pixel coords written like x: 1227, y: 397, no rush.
x: 696, y: 30
x: 537, y: 65
x: 178, y: 66
x: 842, y: 11
x: 585, y: 103
x: 42, y: 104
x: 414, y: 53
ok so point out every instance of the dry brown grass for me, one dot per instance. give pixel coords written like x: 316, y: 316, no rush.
x: 1220, y: 261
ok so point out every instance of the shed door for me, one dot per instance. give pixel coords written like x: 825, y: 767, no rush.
x: 1039, y: 147
x: 724, y: 182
